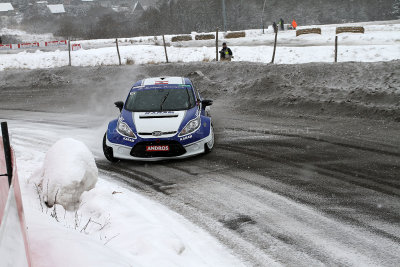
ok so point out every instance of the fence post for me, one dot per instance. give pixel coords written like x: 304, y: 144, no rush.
x: 336, y: 48
x: 7, y: 151
x: 119, y: 56
x: 69, y: 51
x: 273, y: 54
x: 165, y: 48
x: 216, y: 44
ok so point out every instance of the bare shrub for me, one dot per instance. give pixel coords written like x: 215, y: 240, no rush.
x: 308, y: 31
x: 231, y: 35
x: 181, y: 38
x: 204, y: 37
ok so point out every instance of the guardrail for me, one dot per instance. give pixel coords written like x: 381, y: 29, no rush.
x: 14, y: 245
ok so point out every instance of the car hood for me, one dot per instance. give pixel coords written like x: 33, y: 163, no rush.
x: 165, y: 122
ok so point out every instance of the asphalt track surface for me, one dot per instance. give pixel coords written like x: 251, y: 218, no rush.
x: 284, y: 185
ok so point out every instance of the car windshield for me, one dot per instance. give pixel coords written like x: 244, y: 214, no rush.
x: 161, y: 99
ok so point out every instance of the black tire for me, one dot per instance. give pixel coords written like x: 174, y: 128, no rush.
x: 108, y: 151
x: 210, y: 145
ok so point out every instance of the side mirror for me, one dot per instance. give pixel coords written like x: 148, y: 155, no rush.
x: 120, y: 105
x: 206, y: 102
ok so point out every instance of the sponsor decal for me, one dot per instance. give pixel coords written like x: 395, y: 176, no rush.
x: 136, y: 88
x: 186, y: 138
x: 129, y: 139
x: 159, y: 112
x: 156, y: 148
x: 157, y: 133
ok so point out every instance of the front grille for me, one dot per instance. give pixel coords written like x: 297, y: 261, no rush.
x: 175, y: 149
x: 162, y: 133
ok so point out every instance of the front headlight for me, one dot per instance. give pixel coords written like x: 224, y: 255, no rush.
x: 191, y: 126
x: 124, y: 129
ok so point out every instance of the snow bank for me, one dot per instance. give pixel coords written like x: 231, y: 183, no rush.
x: 113, y: 225
x: 68, y: 170
x: 54, y: 245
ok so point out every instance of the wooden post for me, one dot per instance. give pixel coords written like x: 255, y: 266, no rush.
x: 69, y: 51
x: 165, y: 48
x: 7, y: 151
x: 273, y: 54
x: 119, y: 56
x: 336, y: 48
x: 262, y: 16
x: 216, y: 45
x: 224, y: 14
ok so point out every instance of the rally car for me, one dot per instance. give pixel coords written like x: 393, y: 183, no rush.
x: 162, y: 118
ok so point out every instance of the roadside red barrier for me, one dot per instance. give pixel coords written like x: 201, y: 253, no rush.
x: 55, y: 43
x: 76, y: 47
x: 14, y: 245
x: 28, y: 45
x: 5, y: 46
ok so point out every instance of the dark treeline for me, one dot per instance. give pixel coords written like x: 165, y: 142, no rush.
x: 185, y: 16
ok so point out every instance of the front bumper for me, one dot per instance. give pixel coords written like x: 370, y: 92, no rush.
x: 192, y: 149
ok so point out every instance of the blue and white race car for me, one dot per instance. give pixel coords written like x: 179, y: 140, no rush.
x: 162, y: 118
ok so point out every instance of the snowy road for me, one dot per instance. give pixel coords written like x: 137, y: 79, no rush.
x: 280, y: 188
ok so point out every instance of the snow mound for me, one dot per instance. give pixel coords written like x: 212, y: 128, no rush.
x: 68, y: 170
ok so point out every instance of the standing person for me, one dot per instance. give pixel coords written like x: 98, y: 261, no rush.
x: 294, y: 24
x: 226, y: 53
x: 1, y: 42
x: 282, y: 23
x: 275, y: 27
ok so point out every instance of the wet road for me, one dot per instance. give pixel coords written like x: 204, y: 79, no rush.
x: 291, y: 193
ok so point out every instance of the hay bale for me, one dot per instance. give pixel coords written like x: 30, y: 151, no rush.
x: 350, y: 29
x: 308, y: 31
x: 204, y: 37
x: 181, y: 38
x: 231, y: 35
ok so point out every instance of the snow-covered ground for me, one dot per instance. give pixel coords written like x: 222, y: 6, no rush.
x: 27, y: 37
x: 381, y: 42
x: 113, y: 226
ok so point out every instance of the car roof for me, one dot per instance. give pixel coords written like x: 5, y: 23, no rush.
x: 161, y: 82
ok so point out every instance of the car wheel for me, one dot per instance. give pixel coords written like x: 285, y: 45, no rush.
x: 108, y: 151
x: 209, y: 145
